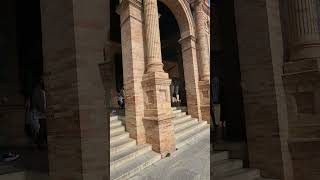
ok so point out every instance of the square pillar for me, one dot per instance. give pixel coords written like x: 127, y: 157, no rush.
x: 73, y: 34
x: 190, y: 66
x: 133, y: 66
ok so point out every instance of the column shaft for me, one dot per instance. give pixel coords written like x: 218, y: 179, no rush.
x: 202, y: 41
x: 153, y: 50
x: 303, y: 29
x: 158, y: 114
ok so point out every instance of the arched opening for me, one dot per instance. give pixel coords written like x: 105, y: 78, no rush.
x: 172, y: 55
x: 181, y: 14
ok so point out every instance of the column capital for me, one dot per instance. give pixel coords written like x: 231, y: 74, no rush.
x: 125, y: 11
x: 125, y: 3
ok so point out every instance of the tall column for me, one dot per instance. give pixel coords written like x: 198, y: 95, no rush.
x: 202, y: 39
x: 302, y: 85
x: 133, y: 66
x: 203, y: 50
x: 189, y: 55
x: 156, y: 85
x: 73, y: 44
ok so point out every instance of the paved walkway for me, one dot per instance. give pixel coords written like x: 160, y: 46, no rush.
x: 191, y: 162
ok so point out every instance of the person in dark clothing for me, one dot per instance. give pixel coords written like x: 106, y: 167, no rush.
x: 38, y: 114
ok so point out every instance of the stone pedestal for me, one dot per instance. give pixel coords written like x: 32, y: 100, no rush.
x: 158, y: 114
x: 204, y: 87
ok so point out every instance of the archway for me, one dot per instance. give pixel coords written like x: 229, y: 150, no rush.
x: 172, y: 55
x: 183, y: 16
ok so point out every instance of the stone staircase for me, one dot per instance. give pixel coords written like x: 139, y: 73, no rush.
x: 223, y: 168
x: 187, y: 129
x: 127, y: 158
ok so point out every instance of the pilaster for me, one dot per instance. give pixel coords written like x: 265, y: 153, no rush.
x: 133, y: 59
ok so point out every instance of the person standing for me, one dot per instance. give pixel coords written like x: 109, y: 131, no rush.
x: 38, y: 111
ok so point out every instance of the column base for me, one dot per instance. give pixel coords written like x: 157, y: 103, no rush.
x: 204, y: 87
x: 160, y: 134
x: 158, y: 114
x: 205, y: 113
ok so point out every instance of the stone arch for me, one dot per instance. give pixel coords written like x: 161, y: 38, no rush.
x: 183, y: 15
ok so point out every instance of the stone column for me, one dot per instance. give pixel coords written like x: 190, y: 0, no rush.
x: 73, y: 36
x: 203, y: 50
x: 201, y: 19
x: 156, y: 85
x: 133, y: 63
x: 302, y: 86
x: 303, y: 29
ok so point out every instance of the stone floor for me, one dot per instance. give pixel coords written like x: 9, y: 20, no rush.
x: 32, y: 161
x: 191, y: 162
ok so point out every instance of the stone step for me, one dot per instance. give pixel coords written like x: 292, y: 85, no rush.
x: 114, y: 118
x: 119, y: 136
x: 189, y: 130
x: 239, y: 174
x: 134, y: 166
x: 181, y: 119
x: 224, y: 166
x: 219, y: 156
x: 192, y: 137
x: 185, y: 124
x: 129, y: 154
x: 179, y: 114
x: 115, y: 123
x: 177, y: 111
x: 121, y: 145
x: 182, y: 108
x: 116, y: 129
